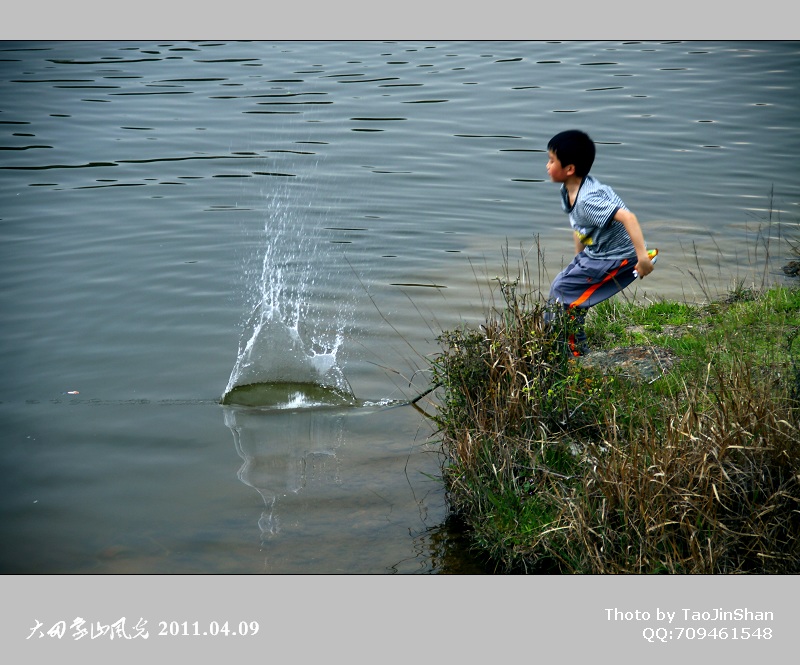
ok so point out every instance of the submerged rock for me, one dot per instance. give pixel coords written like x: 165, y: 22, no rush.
x: 792, y: 268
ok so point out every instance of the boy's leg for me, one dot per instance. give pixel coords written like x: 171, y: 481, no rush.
x: 582, y: 284
x: 577, y: 342
x: 568, y: 323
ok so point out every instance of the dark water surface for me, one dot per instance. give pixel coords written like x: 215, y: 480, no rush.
x: 180, y: 218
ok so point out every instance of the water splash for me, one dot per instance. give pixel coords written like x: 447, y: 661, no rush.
x: 291, y: 342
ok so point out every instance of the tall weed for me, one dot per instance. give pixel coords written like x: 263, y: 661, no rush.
x: 559, y: 467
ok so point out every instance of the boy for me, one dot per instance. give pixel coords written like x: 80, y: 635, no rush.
x: 609, y: 244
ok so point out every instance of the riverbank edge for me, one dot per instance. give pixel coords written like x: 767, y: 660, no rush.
x: 556, y: 466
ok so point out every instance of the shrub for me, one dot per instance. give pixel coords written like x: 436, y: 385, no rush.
x: 556, y: 466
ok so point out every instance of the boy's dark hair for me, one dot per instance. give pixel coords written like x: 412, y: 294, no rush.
x: 574, y: 147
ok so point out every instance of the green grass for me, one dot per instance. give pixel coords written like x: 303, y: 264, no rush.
x: 558, y: 467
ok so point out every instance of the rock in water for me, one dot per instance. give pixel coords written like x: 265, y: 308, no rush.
x: 792, y: 268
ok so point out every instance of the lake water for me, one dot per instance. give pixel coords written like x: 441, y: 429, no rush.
x: 179, y: 219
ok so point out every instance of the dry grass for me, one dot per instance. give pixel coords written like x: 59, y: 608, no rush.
x: 560, y: 468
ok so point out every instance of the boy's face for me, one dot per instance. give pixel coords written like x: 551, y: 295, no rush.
x: 556, y: 171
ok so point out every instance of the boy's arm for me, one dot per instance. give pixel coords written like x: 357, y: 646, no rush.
x: 631, y: 224
x: 578, y: 244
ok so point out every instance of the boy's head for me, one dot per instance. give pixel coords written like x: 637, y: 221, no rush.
x: 573, y: 147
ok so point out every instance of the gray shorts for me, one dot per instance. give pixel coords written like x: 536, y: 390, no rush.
x: 586, y: 282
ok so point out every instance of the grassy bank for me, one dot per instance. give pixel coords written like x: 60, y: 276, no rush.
x: 555, y: 465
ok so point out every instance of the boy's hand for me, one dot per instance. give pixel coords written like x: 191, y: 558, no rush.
x: 644, y: 267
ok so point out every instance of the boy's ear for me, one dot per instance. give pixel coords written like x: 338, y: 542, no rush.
x: 569, y: 169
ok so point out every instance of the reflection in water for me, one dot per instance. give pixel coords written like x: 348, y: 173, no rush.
x: 326, y: 500
x: 332, y: 502
x: 446, y: 549
x: 284, y: 451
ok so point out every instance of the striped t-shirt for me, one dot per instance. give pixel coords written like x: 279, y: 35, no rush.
x: 592, y: 219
